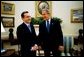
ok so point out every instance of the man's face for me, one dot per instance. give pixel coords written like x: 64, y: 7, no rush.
x: 45, y: 15
x: 27, y: 18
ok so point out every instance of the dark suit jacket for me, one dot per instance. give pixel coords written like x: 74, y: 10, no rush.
x: 53, y: 38
x: 26, y: 38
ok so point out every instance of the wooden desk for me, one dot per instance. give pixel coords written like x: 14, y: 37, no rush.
x: 9, y: 52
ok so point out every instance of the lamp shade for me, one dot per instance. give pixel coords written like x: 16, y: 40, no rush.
x: 2, y: 28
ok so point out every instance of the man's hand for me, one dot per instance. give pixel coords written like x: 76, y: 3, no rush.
x: 61, y: 48
x: 34, y: 48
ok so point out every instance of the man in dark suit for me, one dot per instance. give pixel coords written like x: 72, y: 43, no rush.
x: 26, y: 36
x: 50, y: 35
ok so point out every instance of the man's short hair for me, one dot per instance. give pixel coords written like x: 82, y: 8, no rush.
x: 46, y: 10
x: 22, y: 15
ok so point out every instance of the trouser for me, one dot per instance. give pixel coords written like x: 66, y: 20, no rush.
x: 54, y: 52
x: 28, y: 53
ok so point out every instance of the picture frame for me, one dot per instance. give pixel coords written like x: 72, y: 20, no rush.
x: 77, y: 15
x: 39, y: 5
x: 8, y: 21
x: 7, y: 8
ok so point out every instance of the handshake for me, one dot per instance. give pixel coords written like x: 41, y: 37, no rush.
x: 35, y: 47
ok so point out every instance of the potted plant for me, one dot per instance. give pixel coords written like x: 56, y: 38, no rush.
x: 38, y: 20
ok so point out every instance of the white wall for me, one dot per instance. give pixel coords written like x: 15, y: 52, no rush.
x: 20, y: 6
x: 60, y: 9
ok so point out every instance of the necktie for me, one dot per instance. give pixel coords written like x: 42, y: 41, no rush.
x: 29, y: 27
x: 48, y: 26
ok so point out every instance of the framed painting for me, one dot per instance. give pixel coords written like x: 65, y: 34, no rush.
x: 39, y: 5
x: 7, y: 8
x: 8, y: 21
x: 76, y: 15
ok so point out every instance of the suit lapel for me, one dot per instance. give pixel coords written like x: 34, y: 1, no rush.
x: 51, y: 24
x: 32, y: 28
x: 44, y: 24
x: 26, y: 28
